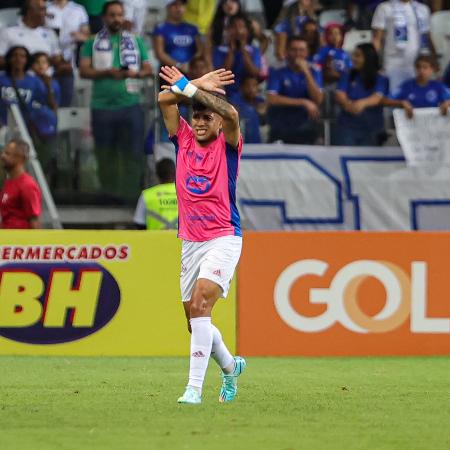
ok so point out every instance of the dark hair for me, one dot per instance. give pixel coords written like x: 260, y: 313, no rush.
x: 24, y: 8
x: 165, y: 169
x: 218, y: 23
x: 429, y: 59
x: 110, y: 3
x: 37, y: 55
x: 314, y: 45
x: 8, y: 57
x: 248, y: 24
x: 198, y: 106
x: 22, y: 146
x: 369, y: 71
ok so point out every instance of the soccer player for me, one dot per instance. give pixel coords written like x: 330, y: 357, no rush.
x: 207, y: 157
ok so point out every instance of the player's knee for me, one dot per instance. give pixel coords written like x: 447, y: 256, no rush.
x: 199, y: 307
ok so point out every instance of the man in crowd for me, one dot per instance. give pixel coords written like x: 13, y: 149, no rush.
x: 157, y: 207
x: 20, y: 197
x: 294, y: 94
x: 117, y: 61
x: 401, y: 30
x: 31, y: 33
x: 70, y: 21
x: 175, y: 41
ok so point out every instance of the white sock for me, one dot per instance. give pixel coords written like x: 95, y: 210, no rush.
x: 201, y: 343
x: 220, y: 353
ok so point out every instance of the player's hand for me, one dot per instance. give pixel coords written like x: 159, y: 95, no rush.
x: 215, y: 81
x: 409, y: 110
x: 171, y: 75
x: 312, y: 109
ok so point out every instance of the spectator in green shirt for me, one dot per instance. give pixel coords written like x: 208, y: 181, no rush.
x: 116, y: 61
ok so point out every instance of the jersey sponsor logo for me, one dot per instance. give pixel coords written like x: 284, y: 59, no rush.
x: 198, y: 184
x: 183, y: 40
x: 48, y: 302
x: 406, y: 298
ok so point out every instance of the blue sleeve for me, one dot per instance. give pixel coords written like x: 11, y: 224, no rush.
x: 56, y: 92
x: 159, y: 30
x: 403, y: 91
x: 274, y: 82
x: 445, y: 92
x: 282, y: 27
x: 343, y: 82
x: 381, y: 87
x: 256, y: 57
x: 320, y: 56
x: 195, y: 31
x: 347, y: 61
x: 218, y: 58
x: 39, y: 91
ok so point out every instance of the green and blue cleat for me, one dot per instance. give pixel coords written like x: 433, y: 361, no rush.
x: 229, y: 384
x: 190, y: 396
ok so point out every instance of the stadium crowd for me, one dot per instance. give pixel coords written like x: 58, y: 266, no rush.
x: 292, y: 69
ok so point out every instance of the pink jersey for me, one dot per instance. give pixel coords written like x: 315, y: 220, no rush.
x: 206, y: 186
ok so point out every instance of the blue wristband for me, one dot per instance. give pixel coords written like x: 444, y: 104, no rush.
x: 181, y: 83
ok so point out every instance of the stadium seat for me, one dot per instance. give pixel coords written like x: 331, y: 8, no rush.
x: 440, y: 32
x: 354, y: 37
x: 8, y: 17
x: 332, y: 15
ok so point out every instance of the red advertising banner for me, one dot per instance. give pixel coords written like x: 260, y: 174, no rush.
x: 344, y: 293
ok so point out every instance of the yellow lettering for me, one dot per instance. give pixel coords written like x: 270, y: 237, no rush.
x: 62, y: 296
x: 19, y: 299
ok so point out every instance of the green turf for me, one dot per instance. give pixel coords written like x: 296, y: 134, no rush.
x: 305, y: 403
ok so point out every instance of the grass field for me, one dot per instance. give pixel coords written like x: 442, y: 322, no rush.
x: 59, y: 403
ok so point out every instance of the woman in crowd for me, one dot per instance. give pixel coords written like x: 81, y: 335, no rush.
x: 359, y: 93
x: 15, y: 81
x: 290, y: 23
x: 311, y: 34
x: 239, y: 55
x: 227, y: 9
x: 332, y: 58
x: 422, y: 91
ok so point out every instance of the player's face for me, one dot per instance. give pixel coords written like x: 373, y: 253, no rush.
x: 10, y: 157
x: 206, y: 126
x: 114, y: 18
x: 424, y: 70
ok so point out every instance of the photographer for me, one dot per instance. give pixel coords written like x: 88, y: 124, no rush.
x: 117, y: 60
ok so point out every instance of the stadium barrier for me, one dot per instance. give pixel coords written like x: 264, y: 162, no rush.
x: 344, y: 294
x: 95, y: 293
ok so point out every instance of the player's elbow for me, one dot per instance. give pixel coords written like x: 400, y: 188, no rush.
x: 232, y: 115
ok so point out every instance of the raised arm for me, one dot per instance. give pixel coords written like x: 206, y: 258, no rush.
x: 202, y: 90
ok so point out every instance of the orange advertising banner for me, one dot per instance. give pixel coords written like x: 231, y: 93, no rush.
x: 344, y: 293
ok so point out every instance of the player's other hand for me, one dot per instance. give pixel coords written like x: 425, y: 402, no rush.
x: 170, y: 75
x: 215, y: 81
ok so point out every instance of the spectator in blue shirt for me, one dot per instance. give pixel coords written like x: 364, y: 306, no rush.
x: 16, y: 79
x: 294, y: 94
x: 40, y: 64
x: 311, y: 34
x: 333, y: 60
x: 176, y: 42
x: 290, y: 23
x: 252, y: 109
x: 359, y: 93
x: 422, y: 91
x: 239, y: 56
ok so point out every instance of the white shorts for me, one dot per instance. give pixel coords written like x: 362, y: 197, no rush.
x: 215, y: 260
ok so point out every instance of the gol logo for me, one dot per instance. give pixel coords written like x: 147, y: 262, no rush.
x: 404, y: 297
x: 42, y: 303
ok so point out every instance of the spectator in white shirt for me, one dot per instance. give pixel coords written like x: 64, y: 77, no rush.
x: 71, y: 23
x: 31, y: 34
x: 401, y: 32
x: 135, y: 11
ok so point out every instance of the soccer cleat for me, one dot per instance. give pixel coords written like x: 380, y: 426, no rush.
x: 191, y: 396
x: 229, y: 384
